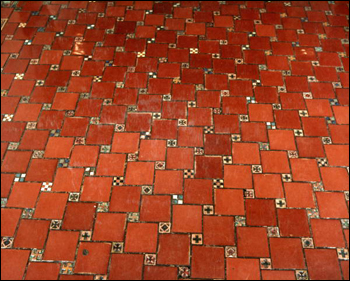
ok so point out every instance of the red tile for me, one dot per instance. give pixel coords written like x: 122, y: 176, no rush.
x: 68, y: 179
x: 243, y: 269
x: 84, y: 156
x: 299, y: 195
x: 9, y: 221
x: 111, y: 164
x: 96, y: 189
x: 323, y: 237
x: 217, y: 144
x: 31, y: 234
x: 51, y: 206
x: 304, y: 169
x: 322, y: 263
x: 93, y: 258
x: 190, y: 136
x: 75, y: 127
x: 140, y: 122
x: 218, y: 231
x: 234, y: 105
x: 335, y: 178
x: 14, y: 263
x: 282, y: 140
x: 79, y: 216
x: 260, y: 112
x: 237, y: 176
x: 207, y: 262
x: 278, y: 275
x: 125, y: 199
x: 332, y: 205
x: 293, y: 223
x: 125, y: 142
x: 155, y: 208
x: 42, y: 271
x: 152, y: 150
x: 27, y: 112
x: 245, y: 153
x: 254, y: 132
x: 109, y: 227
x: 286, y: 253
x: 310, y: 147
x: 61, y: 245
x: 198, y: 191
x: 275, y: 162
x: 252, y: 242
x: 338, y: 155
x: 59, y: 147
x: 268, y: 186
x: 126, y: 267
x: 168, y: 182
x: 141, y: 237
x: 24, y: 195
x: 224, y: 199
x: 174, y: 249
x: 16, y: 161
x: 187, y: 218
x: 12, y: 131
x: 139, y: 173
x: 41, y: 170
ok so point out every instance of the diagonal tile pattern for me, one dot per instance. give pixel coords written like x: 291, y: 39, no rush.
x: 174, y: 140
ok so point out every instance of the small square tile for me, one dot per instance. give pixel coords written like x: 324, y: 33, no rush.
x: 164, y: 227
x: 177, y: 199
x: 281, y: 203
x: 218, y: 183
x: 308, y: 243
x: 343, y: 254
x: 230, y: 252
x: 85, y: 235
x: 117, y: 247
x: 273, y: 231
x: 265, y: 263
x: 55, y: 224
x: 196, y: 239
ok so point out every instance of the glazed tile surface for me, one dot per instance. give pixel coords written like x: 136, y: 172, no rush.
x: 174, y: 140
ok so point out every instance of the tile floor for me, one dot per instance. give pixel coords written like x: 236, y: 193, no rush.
x: 174, y: 140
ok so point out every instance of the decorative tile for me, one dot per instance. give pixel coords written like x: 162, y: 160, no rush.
x: 308, y: 243
x: 67, y: 268
x: 265, y: 263
x: 55, y: 224
x: 273, y: 231
x: 281, y: 203
x: 230, y: 252
x: 177, y: 199
x: 36, y: 255
x: 118, y: 181
x: 74, y: 197
x: 117, y: 247
x: 6, y: 242
x: 196, y: 239
x: 46, y: 186
x: 184, y: 272
x: 301, y: 275
x: 257, y: 169
x: 218, y: 183
x: 133, y: 217
x: 343, y: 254
x: 240, y: 221
x: 85, y: 235
x: 147, y: 190
x: 164, y: 227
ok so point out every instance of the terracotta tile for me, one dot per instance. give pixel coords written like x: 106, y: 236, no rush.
x: 75, y: 127
x: 260, y: 212
x: 109, y: 227
x: 310, y: 147
x: 96, y: 189
x: 41, y: 270
x: 12, y: 132
x: 16, y: 161
x: 79, y: 216
x: 141, y: 237
x: 190, y: 136
x: 299, y: 195
x: 322, y: 263
x: 14, y: 263
x: 94, y: 259
x: 125, y: 142
x: 278, y: 275
x: 292, y: 256
x: 332, y: 205
x: 225, y: 124
x: 208, y: 167
x: 197, y: 191
x: 282, y: 140
x: 224, y: 199
x: 111, y: 164
x: 9, y: 221
x: 254, y: 132
x: 323, y: 237
x: 125, y: 199
x: 160, y: 273
x: 164, y: 129
x: 218, y: 230
x: 139, y: 173
x: 68, y: 179
x: 305, y: 169
x: 31, y: 234
x: 168, y: 182
x: 61, y: 245
x: 126, y: 267
x: 180, y: 158
x: 238, y: 176
x: 84, y: 156
x: 24, y: 195
x: 338, y: 155
x: 268, y: 186
x: 293, y: 223
x: 208, y: 262
x: 252, y: 242
x: 239, y: 269
x: 100, y: 134
x: 51, y: 205
x: 335, y: 178
x: 155, y: 208
x: 174, y: 249
x: 187, y: 218
x: 59, y: 147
